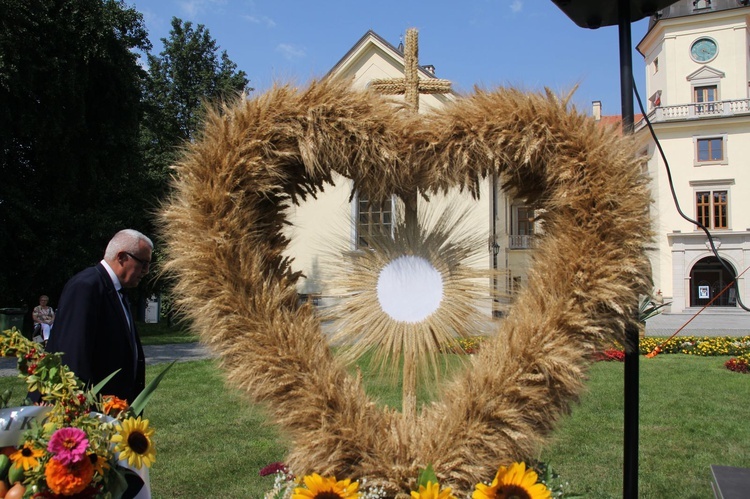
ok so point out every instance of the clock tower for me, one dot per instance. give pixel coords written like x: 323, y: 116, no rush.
x: 697, y: 58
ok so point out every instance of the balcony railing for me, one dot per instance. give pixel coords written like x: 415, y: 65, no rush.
x: 521, y: 242
x: 697, y: 110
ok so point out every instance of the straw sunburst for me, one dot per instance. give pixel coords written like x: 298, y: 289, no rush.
x: 413, y: 293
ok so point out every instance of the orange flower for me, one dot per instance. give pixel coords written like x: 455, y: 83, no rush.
x: 114, y: 404
x: 70, y: 479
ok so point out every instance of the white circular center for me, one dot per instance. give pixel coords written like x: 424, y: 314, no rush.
x: 410, y: 289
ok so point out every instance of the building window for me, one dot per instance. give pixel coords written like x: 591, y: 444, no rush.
x: 705, y: 98
x: 710, y: 149
x: 712, y: 209
x: 656, y: 65
x: 516, y: 285
x: 374, y: 220
x: 701, y: 4
x: 522, y: 227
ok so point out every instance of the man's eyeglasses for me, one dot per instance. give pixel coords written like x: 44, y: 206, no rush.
x: 144, y: 263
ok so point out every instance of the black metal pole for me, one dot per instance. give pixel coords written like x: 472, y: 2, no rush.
x: 626, y: 66
x: 630, y: 429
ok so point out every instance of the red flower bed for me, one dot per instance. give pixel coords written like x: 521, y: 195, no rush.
x: 610, y: 355
x: 737, y: 365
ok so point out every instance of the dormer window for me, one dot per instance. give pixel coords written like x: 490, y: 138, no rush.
x: 701, y: 4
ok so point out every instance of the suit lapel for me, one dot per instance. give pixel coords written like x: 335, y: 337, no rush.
x: 114, y: 298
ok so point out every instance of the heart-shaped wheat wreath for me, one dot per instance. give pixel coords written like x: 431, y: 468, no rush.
x: 223, y: 228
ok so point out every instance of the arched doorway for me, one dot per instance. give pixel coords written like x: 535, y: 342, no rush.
x: 708, y: 278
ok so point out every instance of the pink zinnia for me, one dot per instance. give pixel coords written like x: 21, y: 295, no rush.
x: 68, y: 445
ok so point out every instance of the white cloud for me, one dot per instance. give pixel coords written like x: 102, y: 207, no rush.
x: 269, y: 23
x: 516, y: 6
x: 192, y: 8
x: 290, y: 52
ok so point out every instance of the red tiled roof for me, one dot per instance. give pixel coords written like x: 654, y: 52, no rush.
x: 616, y: 120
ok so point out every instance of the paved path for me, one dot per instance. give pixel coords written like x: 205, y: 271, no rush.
x: 710, y: 322
x: 155, y: 354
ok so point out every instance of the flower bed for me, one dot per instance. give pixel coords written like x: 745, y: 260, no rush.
x: 610, y: 354
x: 704, y: 346
x: 739, y: 364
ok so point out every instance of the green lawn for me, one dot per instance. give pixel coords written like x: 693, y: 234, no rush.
x: 162, y: 334
x: 693, y: 413
x: 212, y: 443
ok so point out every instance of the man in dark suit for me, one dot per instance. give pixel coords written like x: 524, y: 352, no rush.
x: 94, y: 327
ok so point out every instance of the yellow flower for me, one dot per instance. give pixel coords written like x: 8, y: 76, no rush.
x: 133, y: 439
x: 99, y: 463
x: 514, y: 482
x: 432, y: 491
x: 27, y: 456
x: 319, y: 487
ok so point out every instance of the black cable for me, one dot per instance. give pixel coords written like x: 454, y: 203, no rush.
x: 677, y: 203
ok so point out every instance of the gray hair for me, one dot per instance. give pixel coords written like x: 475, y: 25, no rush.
x: 126, y: 240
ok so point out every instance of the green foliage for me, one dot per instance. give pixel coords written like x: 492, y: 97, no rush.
x: 426, y: 476
x: 648, y: 308
x: 70, y: 89
x: 189, y: 72
x: 87, y: 135
x: 141, y: 401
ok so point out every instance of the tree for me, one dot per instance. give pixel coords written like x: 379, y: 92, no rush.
x: 187, y: 73
x: 70, y: 91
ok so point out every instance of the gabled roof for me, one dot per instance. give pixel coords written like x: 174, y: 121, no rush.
x: 373, y: 39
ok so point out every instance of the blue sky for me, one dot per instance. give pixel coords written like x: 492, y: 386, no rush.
x: 530, y: 44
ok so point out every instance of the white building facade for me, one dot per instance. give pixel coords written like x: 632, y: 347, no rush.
x: 697, y: 56
x: 339, y: 220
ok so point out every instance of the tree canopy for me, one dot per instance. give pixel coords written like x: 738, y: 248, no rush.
x: 187, y: 74
x: 70, y: 91
x: 87, y: 134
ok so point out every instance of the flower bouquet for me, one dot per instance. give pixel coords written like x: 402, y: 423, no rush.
x: 75, y: 442
x: 515, y: 480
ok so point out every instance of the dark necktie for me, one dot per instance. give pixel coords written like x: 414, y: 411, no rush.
x: 131, y: 324
x: 125, y: 304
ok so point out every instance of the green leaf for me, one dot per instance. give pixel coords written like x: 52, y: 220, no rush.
x: 140, y: 402
x: 427, y: 475
x: 647, y: 308
x: 117, y: 484
x: 97, y: 388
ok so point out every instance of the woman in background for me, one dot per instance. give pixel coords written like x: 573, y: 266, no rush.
x: 44, y: 316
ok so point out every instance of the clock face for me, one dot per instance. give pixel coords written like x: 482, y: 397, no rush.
x: 703, y: 50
